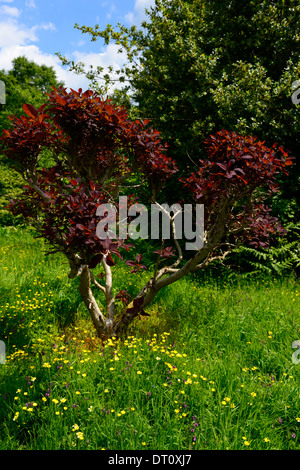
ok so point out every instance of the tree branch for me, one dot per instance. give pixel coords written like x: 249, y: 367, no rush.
x: 37, y: 189
x: 110, y: 301
x: 89, y: 300
x: 97, y: 284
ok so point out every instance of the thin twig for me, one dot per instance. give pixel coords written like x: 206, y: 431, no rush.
x: 97, y: 284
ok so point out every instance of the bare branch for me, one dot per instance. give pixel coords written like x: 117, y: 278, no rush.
x: 210, y: 259
x: 38, y: 190
x: 179, y: 259
x: 157, y: 263
x: 110, y: 301
x: 89, y: 300
x: 97, y: 284
x: 173, y: 227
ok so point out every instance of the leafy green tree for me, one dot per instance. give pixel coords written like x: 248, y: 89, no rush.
x: 26, y: 82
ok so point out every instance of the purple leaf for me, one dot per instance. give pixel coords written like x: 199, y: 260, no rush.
x: 139, y: 258
x: 130, y: 263
x: 95, y: 261
x: 109, y: 261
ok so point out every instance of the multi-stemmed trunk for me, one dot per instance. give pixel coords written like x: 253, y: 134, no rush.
x: 106, y: 324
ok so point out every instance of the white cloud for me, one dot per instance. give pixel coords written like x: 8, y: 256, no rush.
x: 17, y: 39
x: 33, y: 53
x: 6, y: 10
x: 138, y: 15
x: 108, y: 57
x: 12, y: 34
x: 30, y: 4
x: 80, y: 43
x: 46, y: 26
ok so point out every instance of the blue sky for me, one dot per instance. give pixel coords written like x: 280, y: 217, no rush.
x: 38, y: 29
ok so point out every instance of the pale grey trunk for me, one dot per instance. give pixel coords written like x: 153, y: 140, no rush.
x: 90, y: 301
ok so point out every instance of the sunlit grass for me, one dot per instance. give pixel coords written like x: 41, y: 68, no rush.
x: 210, y: 369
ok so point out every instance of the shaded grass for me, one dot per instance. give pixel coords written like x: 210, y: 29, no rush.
x: 210, y: 369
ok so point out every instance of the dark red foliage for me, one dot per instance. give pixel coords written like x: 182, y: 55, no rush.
x: 124, y: 296
x: 102, y: 140
x: 97, y: 137
x: 262, y: 226
x: 136, y: 307
x: 166, y: 252
x: 137, y: 266
x: 242, y: 171
x: 236, y: 164
x: 94, y: 145
x: 69, y: 216
x: 23, y: 142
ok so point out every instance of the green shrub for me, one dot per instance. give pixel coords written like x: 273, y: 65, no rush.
x: 11, y: 184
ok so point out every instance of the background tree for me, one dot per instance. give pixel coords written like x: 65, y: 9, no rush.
x: 25, y: 82
x: 96, y: 149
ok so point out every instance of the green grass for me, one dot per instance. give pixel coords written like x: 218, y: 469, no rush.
x: 210, y: 369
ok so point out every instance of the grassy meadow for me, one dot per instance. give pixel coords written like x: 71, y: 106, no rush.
x: 211, y: 368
